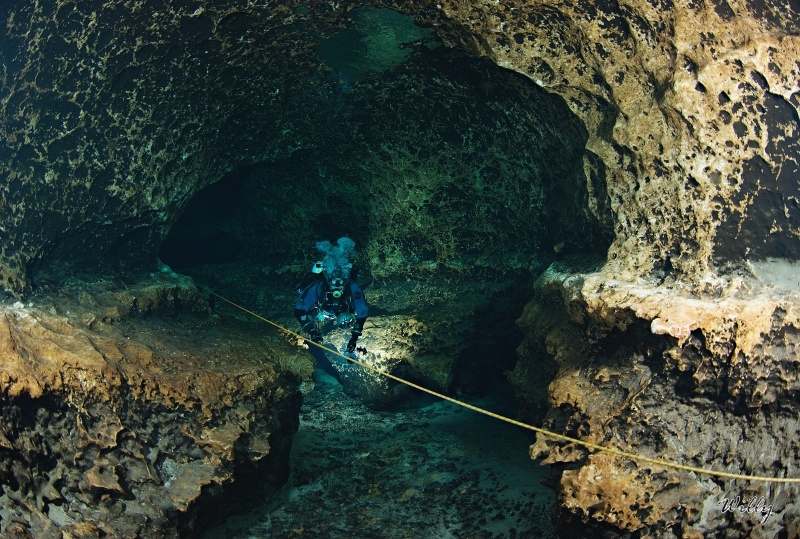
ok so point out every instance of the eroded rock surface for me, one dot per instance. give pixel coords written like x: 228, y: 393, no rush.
x: 125, y: 410
x: 692, y: 112
x: 707, y: 379
x: 114, y: 114
x: 691, y: 107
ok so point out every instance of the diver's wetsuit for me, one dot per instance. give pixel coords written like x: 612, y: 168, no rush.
x: 318, y: 295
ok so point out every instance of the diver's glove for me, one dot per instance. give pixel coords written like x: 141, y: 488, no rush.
x: 351, y: 344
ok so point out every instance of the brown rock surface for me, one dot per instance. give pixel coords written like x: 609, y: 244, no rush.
x: 691, y: 107
x: 114, y: 114
x: 129, y: 409
x: 703, y: 379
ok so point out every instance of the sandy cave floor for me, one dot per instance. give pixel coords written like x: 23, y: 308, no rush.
x: 432, y: 469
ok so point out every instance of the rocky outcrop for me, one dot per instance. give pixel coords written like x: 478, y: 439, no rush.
x: 707, y: 380
x: 691, y: 107
x: 115, y: 114
x: 125, y: 412
x: 692, y: 118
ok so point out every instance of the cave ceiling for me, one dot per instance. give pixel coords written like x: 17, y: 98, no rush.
x: 661, y: 137
x: 115, y: 114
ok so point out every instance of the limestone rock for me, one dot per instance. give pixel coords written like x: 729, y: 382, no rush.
x: 130, y: 409
x: 691, y: 107
x: 113, y: 118
x: 103, y: 477
x: 703, y: 379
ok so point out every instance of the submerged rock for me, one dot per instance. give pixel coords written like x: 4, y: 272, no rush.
x: 704, y: 378
x: 124, y: 411
x: 680, y: 168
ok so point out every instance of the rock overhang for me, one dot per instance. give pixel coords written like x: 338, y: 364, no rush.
x: 118, y: 117
x: 444, y: 164
x: 671, y: 96
x: 125, y: 410
x: 115, y: 121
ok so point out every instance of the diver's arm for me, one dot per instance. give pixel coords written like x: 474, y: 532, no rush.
x: 360, y: 306
x: 301, y: 312
x: 359, y: 303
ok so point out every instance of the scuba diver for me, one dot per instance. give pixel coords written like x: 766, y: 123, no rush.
x: 329, y: 295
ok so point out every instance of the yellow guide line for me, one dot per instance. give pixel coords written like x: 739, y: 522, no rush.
x: 539, y: 430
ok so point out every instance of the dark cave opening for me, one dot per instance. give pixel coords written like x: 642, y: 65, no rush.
x: 443, y: 168
x: 443, y: 163
x: 200, y: 237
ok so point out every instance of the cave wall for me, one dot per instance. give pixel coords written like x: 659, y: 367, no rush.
x: 115, y: 114
x: 440, y: 139
x: 680, y: 346
x: 704, y: 380
x: 116, y: 117
x: 691, y: 106
x: 125, y: 412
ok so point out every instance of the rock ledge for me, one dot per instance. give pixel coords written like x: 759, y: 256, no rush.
x: 125, y: 410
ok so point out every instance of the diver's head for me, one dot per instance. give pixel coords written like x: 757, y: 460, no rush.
x: 337, y: 263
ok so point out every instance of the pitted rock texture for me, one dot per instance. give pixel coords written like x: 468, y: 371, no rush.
x: 124, y: 412
x: 113, y: 119
x: 691, y: 107
x: 738, y: 339
x: 445, y: 164
x: 709, y: 381
x: 115, y: 114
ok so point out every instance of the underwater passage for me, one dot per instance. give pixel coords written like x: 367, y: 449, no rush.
x: 426, y: 469
x: 589, y: 205
x: 328, y: 355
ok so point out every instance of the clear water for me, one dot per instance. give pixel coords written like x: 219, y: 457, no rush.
x: 432, y: 469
